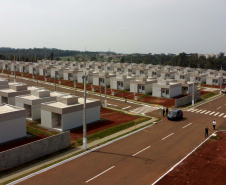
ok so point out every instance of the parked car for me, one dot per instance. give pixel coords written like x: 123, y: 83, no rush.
x: 175, y: 114
x: 223, y: 91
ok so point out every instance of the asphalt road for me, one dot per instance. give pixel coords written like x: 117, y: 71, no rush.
x: 142, y: 157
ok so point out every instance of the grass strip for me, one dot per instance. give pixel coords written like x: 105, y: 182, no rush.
x: 104, y: 133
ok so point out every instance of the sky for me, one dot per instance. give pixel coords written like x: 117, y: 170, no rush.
x: 122, y: 26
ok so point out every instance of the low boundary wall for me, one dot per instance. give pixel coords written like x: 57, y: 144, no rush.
x: 187, y: 100
x: 31, y: 151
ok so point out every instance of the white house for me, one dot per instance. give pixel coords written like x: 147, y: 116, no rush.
x: 57, y: 72
x: 200, y: 78
x: 142, y: 85
x: 166, y: 89
x: 214, y: 80
x: 12, y: 123
x: 7, y: 96
x: 168, y: 74
x: 70, y: 74
x: 100, y: 78
x: 67, y: 112
x: 32, y: 102
x: 121, y: 82
x: 187, y: 86
x: 182, y: 76
x: 154, y: 73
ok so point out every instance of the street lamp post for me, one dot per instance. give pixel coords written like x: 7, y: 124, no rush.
x: 84, y: 115
x: 105, y: 77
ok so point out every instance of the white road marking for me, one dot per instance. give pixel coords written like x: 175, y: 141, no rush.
x: 207, y: 112
x: 198, y: 111
x: 221, y: 114
x: 167, y: 136
x: 187, y: 125
x: 100, y: 174
x: 211, y: 113
x: 126, y: 107
x: 224, y: 116
x: 216, y: 113
x: 194, y: 110
x: 141, y: 150
x: 203, y: 111
x: 219, y: 107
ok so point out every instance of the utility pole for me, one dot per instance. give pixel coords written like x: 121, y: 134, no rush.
x: 75, y: 87
x: 55, y: 82
x: 100, y: 93
x: 84, y: 115
x: 14, y: 70
x: 193, y: 94
x: 105, y: 78
x: 221, y: 81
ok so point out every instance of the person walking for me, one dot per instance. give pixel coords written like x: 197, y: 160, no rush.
x: 214, y: 124
x: 125, y: 99
x: 206, y: 132
x: 163, y: 112
x: 167, y: 110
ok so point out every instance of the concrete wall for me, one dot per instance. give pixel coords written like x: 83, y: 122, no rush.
x: 31, y: 151
x: 156, y: 90
x: 12, y: 129
x: 93, y: 114
x: 133, y: 88
x: 11, y: 100
x: 186, y: 100
x: 148, y: 88
x: 46, y: 118
x: 96, y: 80
x: 72, y: 120
x: 175, y: 91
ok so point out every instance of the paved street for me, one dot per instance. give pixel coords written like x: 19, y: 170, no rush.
x: 142, y: 157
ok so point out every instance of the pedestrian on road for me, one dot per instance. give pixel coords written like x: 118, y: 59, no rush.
x: 163, y: 112
x: 206, y: 132
x: 167, y: 110
x: 125, y: 99
x: 214, y: 124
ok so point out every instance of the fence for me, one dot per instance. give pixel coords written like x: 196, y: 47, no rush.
x: 187, y: 100
x: 31, y: 151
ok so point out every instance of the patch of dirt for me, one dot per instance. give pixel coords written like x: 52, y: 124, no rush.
x: 214, y: 86
x: 109, y: 118
x: 206, y: 166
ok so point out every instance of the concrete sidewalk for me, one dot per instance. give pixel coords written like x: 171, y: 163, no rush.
x: 70, y: 153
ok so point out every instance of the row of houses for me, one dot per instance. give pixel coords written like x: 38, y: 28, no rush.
x: 56, y: 110
x: 137, y: 78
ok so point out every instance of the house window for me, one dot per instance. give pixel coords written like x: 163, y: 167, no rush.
x: 153, y: 73
x: 215, y: 81
x: 118, y: 69
x: 108, y: 68
x: 167, y: 91
x: 197, y: 79
x: 99, y: 67
x: 167, y: 75
x: 130, y: 70
x: 181, y: 76
x: 101, y: 81
x: 120, y: 85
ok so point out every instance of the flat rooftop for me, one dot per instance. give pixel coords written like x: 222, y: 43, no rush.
x: 8, y: 108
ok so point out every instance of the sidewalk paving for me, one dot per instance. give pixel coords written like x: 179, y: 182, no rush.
x: 69, y: 153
